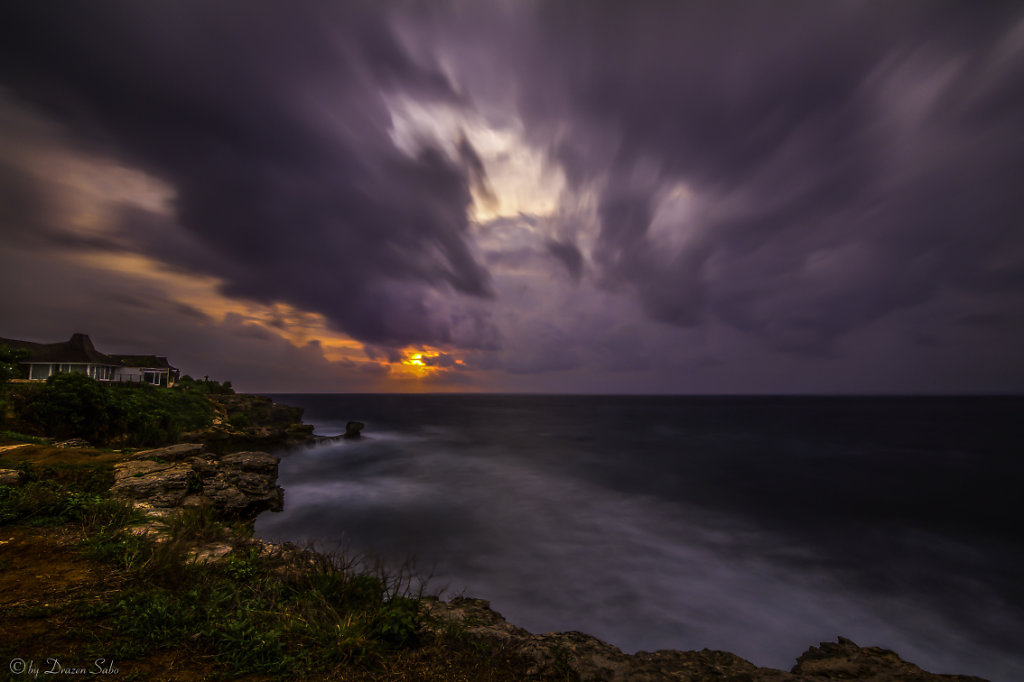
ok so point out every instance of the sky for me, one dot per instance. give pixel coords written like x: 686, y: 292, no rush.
x: 522, y: 196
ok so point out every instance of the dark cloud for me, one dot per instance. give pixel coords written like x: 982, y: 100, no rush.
x: 379, y: 353
x: 568, y: 254
x: 809, y: 131
x: 443, y: 360
x: 271, y: 126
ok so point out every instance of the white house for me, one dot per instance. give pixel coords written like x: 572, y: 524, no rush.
x: 79, y: 355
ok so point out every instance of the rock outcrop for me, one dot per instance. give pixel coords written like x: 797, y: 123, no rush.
x: 844, y: 660
x: 243, y: 420
x: 237, y: 486
x: 574, y: 655
x: 353, y: 429
x: 10, y: 477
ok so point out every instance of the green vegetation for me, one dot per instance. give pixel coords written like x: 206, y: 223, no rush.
x: 136, y: 415
x: 205, y: 385
x: 21, y: 437
x: 58, y: 494
x: 283, y: 615
x: 252, y: 614
x: 9, y: 369
x: 239, y: 420
x: 81, y: 582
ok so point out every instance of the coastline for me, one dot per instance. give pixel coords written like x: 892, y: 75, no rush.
x: 242, y: 485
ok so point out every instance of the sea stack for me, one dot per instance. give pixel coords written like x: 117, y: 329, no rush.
x: 352, y: 429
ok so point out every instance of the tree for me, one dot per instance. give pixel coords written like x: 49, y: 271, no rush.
x: 9, y: 368
x: 9, y: 359
x: 73, y: 405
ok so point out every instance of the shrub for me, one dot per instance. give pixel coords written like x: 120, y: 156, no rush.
x: 9, y: 364
x: 398, y: 622
x: 206, y: 385
x: 46, y: 502
x: 148, y: 415
x: 21, y: 437
x: 239, y: 420
x: 73, y: 405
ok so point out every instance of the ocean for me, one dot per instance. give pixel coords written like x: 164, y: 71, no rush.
x: 756, y: 525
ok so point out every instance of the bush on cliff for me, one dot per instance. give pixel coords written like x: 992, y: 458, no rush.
x: 9, y: 369
x: 9, y: 363
x: 153, y: 416
x: 207, y: 385
x: 75, y: 406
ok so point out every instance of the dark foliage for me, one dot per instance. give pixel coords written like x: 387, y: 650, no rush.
x: 73, y: 405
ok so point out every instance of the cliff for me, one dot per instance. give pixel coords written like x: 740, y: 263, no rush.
x: 245, y: 420
x: 139, y: 415
x: 580, y: 656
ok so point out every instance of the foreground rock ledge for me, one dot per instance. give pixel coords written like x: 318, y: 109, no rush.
x: 238, y: 486
x: 555, y: 654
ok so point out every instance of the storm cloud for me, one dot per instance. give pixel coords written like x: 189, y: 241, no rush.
x: 271, y: 126
x: 837, y: 161
x: 692, y: 196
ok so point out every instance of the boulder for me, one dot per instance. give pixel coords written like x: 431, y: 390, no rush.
x: 352, y: 429
x: 10, y: 477
x: 237, y: 486
x: 73, y: 443
x: 171, y: 453
x: 242, y: 484
x: 844, y: 660
x: 155, y: 483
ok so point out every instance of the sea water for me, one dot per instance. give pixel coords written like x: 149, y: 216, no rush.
x: 757, y: 525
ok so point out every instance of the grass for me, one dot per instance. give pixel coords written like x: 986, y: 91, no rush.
x: 252, y: 614
x: 57, y: 494
x: 113, y: 594
x: 21, y: 437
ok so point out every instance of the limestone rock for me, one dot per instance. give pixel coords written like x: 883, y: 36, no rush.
x: 239, y: 485
x: 73, y: 443
x: 242, y: 484
x: 352, y: 429
x: 255, y: 462
x: 10, y: 477
x: 156, y: 483
x: 558, y: 654
x: 844, y: 660
x: 574, y: 655
x: 243, y: 420
x: 171, y: 453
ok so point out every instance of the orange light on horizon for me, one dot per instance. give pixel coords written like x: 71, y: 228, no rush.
x: 296, y: 326
x: 415, y: 362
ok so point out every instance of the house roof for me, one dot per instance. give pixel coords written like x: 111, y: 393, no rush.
x: 79, y: 348
x: 147, y: 361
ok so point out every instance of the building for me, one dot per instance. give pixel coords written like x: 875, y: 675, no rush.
x: 77, y: 354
